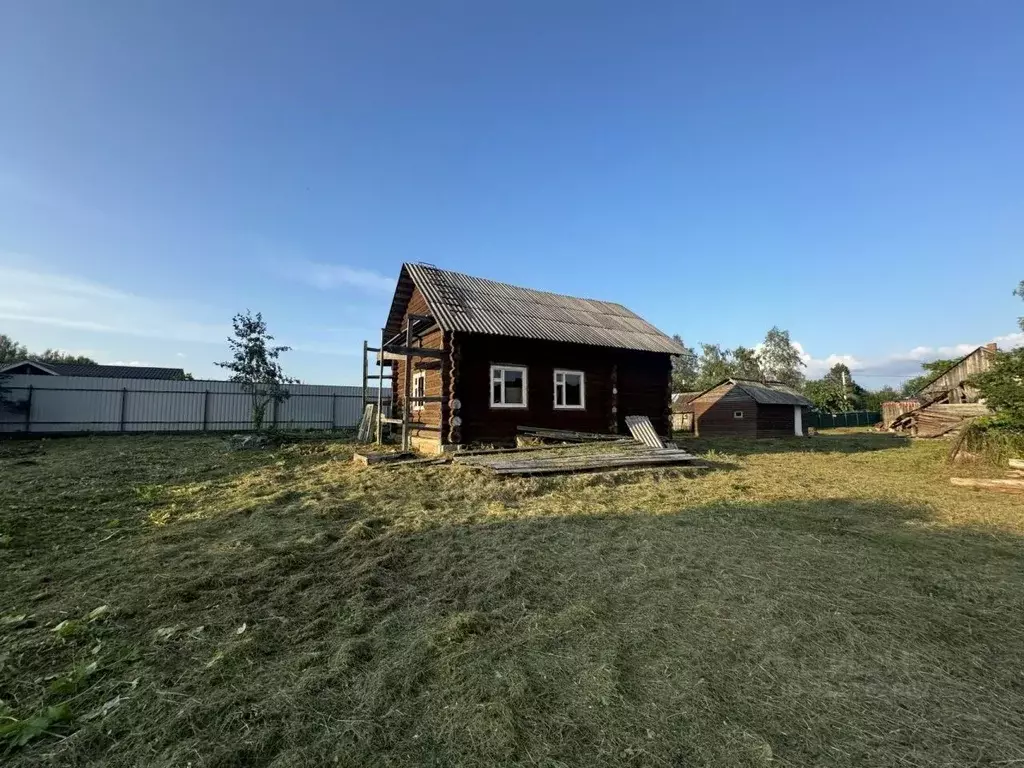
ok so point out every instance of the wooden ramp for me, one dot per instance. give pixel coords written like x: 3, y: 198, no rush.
x: 544, y: 462
x: 641, y: 429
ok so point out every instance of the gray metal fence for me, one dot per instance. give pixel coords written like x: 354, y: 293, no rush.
x: 65, y: 404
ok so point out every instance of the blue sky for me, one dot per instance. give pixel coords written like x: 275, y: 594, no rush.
x: 852, y: 172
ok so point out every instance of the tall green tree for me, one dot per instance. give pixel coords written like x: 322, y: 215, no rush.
x: 714, y: 365
x: 745, y: 364
x: 59, y: 356
x: 873, y: 399
x: 254, y: 364
x: 1019, y: 291
x: 780, y: 359
x: 1002, y: 386
x: 684, y: 368
x: 836, y: 391
x: 10, y: 350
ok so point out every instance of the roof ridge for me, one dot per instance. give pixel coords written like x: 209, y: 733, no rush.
x: 436, y: 268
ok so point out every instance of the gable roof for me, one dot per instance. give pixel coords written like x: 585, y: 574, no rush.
x: 459, y: 302
x: 111, y: 371
x: 765, y: 392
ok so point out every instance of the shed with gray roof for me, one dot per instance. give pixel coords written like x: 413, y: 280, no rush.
x: 746, y: 408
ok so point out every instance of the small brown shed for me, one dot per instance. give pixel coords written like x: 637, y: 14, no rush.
x: 744, y: 408
x: 473, y: 359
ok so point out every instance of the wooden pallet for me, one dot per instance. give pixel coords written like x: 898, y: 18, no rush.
x: 641, y: 429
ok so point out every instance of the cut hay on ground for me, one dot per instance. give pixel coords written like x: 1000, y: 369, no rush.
x: 831, y: 601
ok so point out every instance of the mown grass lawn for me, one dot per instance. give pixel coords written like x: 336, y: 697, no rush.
x: 831, y: 601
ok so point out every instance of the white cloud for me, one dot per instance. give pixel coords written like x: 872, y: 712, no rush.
x: 132, y: 364
x: 180, y: 354
x: 900, y: 365
x: 330, y: 276
x: 66, y: 301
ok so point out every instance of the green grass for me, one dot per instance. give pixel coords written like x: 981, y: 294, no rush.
x: 831, y: 601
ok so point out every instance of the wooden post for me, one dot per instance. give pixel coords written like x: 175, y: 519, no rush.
x: 407, y: 385
x: 380, y: 387
x: 124, y: 400
x: 28, y: 410
x: 366, y: 371
x: 615, y: 399
x: 206, y: 410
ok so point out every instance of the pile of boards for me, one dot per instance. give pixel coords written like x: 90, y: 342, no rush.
x: 586, y: 452
x: 938, y: 419
x: 545, y: 460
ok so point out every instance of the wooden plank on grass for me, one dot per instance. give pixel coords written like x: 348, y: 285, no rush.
x: 367, y: 459
x: 989, y: 484
x: 595, y: 463
x: 640, y: 427
x: 525, y: 449
x: 567, y: 435
x: 1016, y: 463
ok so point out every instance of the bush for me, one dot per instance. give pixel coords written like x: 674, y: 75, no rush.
x: 992, y: 438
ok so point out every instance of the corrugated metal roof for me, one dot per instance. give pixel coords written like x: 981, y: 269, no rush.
x: 474, y: 305
x: 111, y: 371
x: 771, y: 392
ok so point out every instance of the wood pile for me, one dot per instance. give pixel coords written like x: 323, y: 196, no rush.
x: 538, y: 461
x: 938, y: 419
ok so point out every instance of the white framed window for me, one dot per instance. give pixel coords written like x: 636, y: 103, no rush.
x: 737, y: 414
x: 508, y: 386
x: 570, y: 391
x: 419, y: 389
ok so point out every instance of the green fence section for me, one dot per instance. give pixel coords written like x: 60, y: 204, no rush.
x: 848, y: 419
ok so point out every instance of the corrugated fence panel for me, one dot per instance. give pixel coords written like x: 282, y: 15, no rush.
x: 85, y: 404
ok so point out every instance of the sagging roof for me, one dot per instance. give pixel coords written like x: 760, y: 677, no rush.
x: 766, y: 392
x: 110, y: 371
x: 460, y: 302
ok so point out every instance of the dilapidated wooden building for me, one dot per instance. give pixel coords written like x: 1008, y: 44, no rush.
x: 744, y: 408
x: 472, y: 360
x: 948, y: 401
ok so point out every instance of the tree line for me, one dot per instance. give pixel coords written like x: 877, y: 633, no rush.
x: 778, y: 359
x: 13, y: 352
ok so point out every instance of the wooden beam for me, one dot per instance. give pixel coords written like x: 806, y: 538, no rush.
x: 1016, y: 463
x: 988, y: 484
x: 365, y: 459
x: 401, y: 353
x: 380, y: 392
x: 408, y: 389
